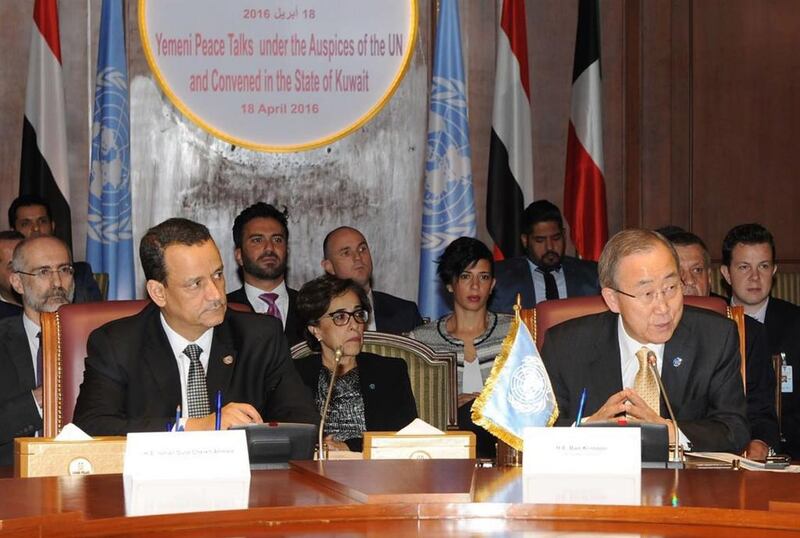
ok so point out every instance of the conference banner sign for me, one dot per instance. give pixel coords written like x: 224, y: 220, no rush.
x: 278, y: 75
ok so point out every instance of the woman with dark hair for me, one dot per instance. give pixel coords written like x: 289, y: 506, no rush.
x: 371, y: 393
x: 466, y: 270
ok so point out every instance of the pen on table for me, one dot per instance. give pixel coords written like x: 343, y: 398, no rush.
x: 178, y: 418
x: 219, y: 411
x: 581, y: 406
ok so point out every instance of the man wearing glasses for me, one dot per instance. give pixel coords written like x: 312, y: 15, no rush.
x: 695, y: 351
x: 43, y: 276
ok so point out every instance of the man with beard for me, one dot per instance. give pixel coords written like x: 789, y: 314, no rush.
x: 544, y: 273
x: 609, y: 355
x: 261, y: 240
x: 695, y: 270
x: 42, y: 275
x: 184, y: 347
x: 10, y: 301
x: 30, y: 215
x: 346, y: 255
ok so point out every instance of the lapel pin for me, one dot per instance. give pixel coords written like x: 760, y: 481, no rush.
x: 372, y: 386
x: 677, y: 361
x: 227, y: 360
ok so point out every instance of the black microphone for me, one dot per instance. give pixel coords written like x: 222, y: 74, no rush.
x: 337, y: 357
x: 653, y: 363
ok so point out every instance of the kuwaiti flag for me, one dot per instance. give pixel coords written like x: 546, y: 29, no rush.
x: 43, y: 166
x: 510, y: 187
x: 517, y: 394
x: 584, y: 187
x: 448, y: 210
x: 109, y: 236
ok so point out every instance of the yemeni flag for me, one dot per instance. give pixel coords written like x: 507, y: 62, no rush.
x: 510, y: 187
x: 43, y: 167
x: 584, y: 187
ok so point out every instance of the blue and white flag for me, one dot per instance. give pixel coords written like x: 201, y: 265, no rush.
x: 517, y: 394
x: 109, y: 241
x: 449, y: 206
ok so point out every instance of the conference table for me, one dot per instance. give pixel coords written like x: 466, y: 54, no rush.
x: 414, y: 497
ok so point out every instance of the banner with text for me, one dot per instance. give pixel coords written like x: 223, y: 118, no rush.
x: 278, y: 75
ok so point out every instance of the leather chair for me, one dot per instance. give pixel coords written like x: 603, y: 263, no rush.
x: 432, y: 374
x: 64, y: 337
x: 550, y: 313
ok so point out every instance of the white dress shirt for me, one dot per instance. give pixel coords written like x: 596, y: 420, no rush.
x: 371, y: 326
x: 539, y: 288
x: 630, y: 364
x: 178, y: 343
x: 759, y: 315
x: 261, y: 306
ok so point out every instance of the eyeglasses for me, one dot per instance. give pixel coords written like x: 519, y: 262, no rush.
x: 44, y: 273
x: 668, y: 292
x: 342, y: 317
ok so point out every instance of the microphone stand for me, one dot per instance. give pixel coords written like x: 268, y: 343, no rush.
x: 675, y: 459
x: 322, y: 453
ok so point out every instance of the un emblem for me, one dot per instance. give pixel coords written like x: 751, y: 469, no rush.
x: 527, y: 391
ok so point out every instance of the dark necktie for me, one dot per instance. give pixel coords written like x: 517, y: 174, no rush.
x: 39, y: 362
x: 196, y: 391
x: 550, y: 287
x: 272, y: 310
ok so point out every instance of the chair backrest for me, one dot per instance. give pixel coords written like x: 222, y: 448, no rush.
x: 432, y: 374
x: 550, y: 313
x: 64, y: 337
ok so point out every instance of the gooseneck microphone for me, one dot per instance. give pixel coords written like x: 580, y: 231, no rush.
x: 652, y: 361
x: 336, y: 358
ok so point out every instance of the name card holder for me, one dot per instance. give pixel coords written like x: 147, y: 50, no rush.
x: 447, y: 445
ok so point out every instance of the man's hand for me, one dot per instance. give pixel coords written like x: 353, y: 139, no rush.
x: 466, y: 397
x: 233, y: 414
x: 37, y: 395
x: 637, y: 409
x: 613, y: 407
x: 757, y: 450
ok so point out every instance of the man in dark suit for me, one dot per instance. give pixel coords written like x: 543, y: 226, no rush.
x: 346, y: 255
x: 43, y: 277
x: 10, y: 301
x: 748, y: 266
x: 261, y: 240
x: 182, y: 349
x: 545, y: 272
x: 695, y: 269
x: 30, y: 215
x: 696, y: 352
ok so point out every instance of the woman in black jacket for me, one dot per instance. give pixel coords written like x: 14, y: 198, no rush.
x: 371, y: 393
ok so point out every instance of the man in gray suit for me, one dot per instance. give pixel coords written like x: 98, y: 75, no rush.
x: 544, y: 272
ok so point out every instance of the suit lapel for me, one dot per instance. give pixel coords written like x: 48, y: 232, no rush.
x: 677, y: 365
x: 527, y: 290
x: 23, y: 361
x: 158, y: 357
x: 605, y: 368
x: 221, y: 360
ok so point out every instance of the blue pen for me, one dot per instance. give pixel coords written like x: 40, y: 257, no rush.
x: 219, y: 411
x: 581, y: 407
x: 178, y: 418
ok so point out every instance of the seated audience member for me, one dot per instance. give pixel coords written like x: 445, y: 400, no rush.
x: 184, y: 347
x: 43, y: 277
x: 261, y: 240
x: 790, y: 392
x: 10, y: 301
x: 748, y: 266
x: 696, y: 351
x: 347, y: 256
x: 695, y: 268
x: 544, y: 272
x: 30, y: 215
x: 466, y: 270
x: 371, y: 393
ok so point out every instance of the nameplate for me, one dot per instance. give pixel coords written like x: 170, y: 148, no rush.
x: 170, y: 472
x: 582, y: 466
